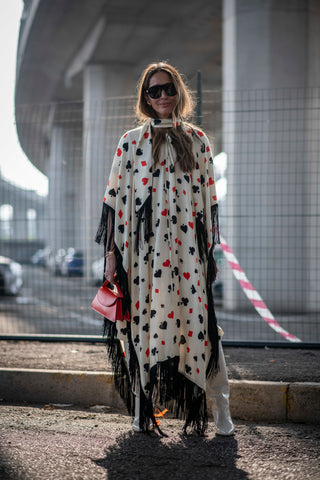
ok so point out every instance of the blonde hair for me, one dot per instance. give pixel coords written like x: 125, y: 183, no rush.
x: 184, y: 106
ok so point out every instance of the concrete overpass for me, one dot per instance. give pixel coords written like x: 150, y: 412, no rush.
x: 92, y: 50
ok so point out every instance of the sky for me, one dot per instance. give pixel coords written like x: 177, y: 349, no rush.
x: 14, y: 165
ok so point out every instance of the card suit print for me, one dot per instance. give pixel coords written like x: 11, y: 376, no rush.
x: 190, y: 224
x: 178, y: 322
x: 112, y: 192
x: 156, y: 173
x: 155, y: 335
x: 153, y: 313
x: 200, y: 318
x: 163, y: 325
x: 137, y: 305
x: 145, y: 180
x: 192, y: 250
x: 184, y: 228
x: 146, y: 327
x: 147, y: 352
x: 174, y: 219
x: 134, y: 142
x: 154, y: 351
x: 190, y: 333
x: 201, y: 336
x: 193, y: 289
x: 164, y: 212
x: 185, y: 301
x: 136, y: 281
x: 136, y: 339
x: 183, y: 340
x: 121, y: 228
x: 128, y: 165
x: 124, y: 199
x: 144, y: 163
x: 188, y: 368
x: 166, y: 263
x: 170, y: 315
x: 136, y: 319
x: 146, y: 367
x: 146, y: 135
x: 125, y: 146
x: 139, y: 152
x: 158, y: 273
x: 119, y: 152
x: 120, y: 213
x: 186, y: 275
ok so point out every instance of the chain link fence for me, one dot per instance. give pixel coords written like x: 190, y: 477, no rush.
x: 267, y: 150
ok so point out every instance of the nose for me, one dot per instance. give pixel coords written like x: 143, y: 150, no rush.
x: 163, y: 94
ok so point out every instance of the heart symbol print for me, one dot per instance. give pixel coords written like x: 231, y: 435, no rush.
x: 166, y: 263
x: 186, y: 275
x: 145, y: 180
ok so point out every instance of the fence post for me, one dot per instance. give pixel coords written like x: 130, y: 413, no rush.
x: 199, y: 99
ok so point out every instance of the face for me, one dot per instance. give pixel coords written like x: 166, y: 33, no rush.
x: 164, y: 105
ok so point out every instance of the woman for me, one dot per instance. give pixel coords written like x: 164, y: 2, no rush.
x: 159, y: 226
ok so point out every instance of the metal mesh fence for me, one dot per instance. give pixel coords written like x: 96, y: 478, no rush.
x: 266, y: 147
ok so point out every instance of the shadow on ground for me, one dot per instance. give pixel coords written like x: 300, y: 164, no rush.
x: 148, y: 456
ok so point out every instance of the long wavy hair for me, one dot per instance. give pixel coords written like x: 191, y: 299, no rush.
x: 183, y: 110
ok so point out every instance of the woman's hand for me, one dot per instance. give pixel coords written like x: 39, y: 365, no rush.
x: 111, y: 265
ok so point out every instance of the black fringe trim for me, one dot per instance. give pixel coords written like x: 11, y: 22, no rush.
x: 170, y: 389
x: 122, y: 378
x: 215, y: 224
x: 144, y: 216
x: 211, y: 269
x: 103, y: 234
x: 212, y: 319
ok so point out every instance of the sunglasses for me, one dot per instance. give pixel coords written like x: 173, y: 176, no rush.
x: 156, y: 90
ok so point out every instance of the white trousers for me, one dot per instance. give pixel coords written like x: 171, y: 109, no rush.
x: 218, y: 391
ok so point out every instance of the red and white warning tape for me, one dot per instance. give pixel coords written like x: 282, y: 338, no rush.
x: 252, y: 294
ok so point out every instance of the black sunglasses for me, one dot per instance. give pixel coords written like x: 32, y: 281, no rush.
x: 156, y: 90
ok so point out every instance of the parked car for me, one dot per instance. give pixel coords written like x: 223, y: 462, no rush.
x: 72, y: 264
x: 41, y: 257
x: 55, y: 261
x: 97, y: 269
x: 10, y: 276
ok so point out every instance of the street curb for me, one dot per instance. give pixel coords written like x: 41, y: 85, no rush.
x: 255, y: 401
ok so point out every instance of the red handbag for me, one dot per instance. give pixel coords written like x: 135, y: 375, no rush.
x: 108, y: 302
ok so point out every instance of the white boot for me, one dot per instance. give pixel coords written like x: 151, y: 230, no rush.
x: 136, y: 421
x: 218, y: 391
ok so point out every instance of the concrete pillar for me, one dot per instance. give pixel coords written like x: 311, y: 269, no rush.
x: 265, y: 72
x: 103, y: 126
x: 65, y: 178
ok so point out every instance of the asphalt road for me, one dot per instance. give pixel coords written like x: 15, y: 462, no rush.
x: 53, y: 443
x: 51, y: 304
